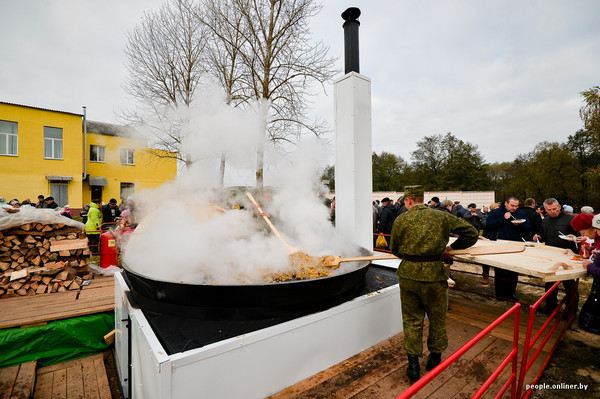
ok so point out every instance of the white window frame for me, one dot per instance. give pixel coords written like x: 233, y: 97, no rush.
x: 125, y: 154
x: 6, y: 137
x: 53, y: 143
x: 103, y: 151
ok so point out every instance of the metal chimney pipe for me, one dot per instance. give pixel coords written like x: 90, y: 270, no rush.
x: 351, y: 59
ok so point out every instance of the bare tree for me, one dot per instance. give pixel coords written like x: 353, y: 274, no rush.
x: 260, y: 51
x: 165, y: 65
x: 280, y: 62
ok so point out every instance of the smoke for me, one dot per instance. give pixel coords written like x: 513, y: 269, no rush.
x: 191, y: 232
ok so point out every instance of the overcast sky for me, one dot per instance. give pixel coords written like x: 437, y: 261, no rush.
x: 503, y: 75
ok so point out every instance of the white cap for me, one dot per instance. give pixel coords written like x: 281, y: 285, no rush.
x: 596, y: 222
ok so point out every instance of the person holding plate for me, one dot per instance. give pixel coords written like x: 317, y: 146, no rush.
x: 557, y: 231
x: 510, y: 223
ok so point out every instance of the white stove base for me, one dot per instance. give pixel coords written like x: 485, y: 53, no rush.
x: 253, y: 365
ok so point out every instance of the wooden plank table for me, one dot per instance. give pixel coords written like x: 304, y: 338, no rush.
x: 543, y: 261
x: 30, y: 310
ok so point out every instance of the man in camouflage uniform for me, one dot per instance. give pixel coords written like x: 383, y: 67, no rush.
x: 420, y: 237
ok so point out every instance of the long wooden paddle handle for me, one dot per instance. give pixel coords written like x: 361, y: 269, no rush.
x: 264, y: 215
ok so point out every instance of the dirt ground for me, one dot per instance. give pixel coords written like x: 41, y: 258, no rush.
x: 576, y: 360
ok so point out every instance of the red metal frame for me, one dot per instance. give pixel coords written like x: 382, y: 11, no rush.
x: 530, y: 342
x: 513, y: 355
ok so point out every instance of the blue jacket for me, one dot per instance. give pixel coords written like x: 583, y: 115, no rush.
x: 505, y: 229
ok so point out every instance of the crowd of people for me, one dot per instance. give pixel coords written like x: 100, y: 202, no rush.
x: 97, y: 216
x: 418, y: 233
x: 548, y: 222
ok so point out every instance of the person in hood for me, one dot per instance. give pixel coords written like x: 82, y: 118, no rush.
x: 66, y: 212
x: 92, y: 226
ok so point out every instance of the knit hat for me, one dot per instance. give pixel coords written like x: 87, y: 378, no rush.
x: 582, y: 221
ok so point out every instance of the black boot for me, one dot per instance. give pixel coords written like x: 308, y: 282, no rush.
x: 433, y: 360
x: 414, y: 369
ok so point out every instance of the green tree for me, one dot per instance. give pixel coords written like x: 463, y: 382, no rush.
x: 590, y: 112
x: 444, y: 162
x: 388, y: 172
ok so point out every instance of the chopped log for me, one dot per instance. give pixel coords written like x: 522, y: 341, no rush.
x: 39, y: 226
x: 4, y: 266
x: 15, y: 256
x: 46, y: 228
x: 74, y: 263
x: 21, y: 260
x: 72, y: 236
x: 64, y: 253
x: 30, y: 292
x: 62, y: 275
x: 26, y: 227
x: 34, y: 285
x: 74, y: 286
x: 61, y: 238
x: 54, y: 287
x: 68, y: 245
x: 19, y: 274
x: 46, y: 280
x: 4, y: 248
x: 82, y: 263
x: 30, y: 240
x: 53, y: 256
x: 22, y: 292
x: 41, y: 289
x: 36, y: 277
x: 49, y: 265
x: 17, y: 285
x: 37, y: 260
x: 62, y: 289
x: 42, y: 250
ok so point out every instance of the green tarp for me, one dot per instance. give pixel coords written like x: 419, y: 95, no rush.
x: 57, y: 341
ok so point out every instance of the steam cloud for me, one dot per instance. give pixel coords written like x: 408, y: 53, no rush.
x: 182, y: 238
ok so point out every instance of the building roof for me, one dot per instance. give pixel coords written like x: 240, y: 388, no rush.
x: 42, y: 109
x: 112, y: 129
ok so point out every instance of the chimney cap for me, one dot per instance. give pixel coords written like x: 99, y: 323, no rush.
x: 351, y: 14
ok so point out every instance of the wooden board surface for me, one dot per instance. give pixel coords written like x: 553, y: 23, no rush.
x: 80, y: 378
x: 546, y: 262
x: 16, y: 382
x: 26, y: 310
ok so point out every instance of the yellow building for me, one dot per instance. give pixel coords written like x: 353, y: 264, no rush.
x: 54, y: 153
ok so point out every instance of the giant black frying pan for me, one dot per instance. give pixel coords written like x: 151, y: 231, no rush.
x: 248, y: 300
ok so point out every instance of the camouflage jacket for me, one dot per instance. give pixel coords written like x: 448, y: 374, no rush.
x: 423, y: 233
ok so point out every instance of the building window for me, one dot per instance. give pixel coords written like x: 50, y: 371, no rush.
x: 8, y: 138
x: 53, y: 142
x: 97, y: 153
x: 60, y: 192
x: 126, y: 156
x: 127, y: 190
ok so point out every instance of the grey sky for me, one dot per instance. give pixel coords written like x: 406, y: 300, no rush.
x: 503, y: 75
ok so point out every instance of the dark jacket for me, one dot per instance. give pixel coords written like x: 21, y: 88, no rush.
x: 475, y: 219
x: 109, y: 214
x: 488, y: 232
x: 53, y: 205
x: 553, y: 227
x: 386, y: 219
x: 536, y: 223
x: 505, y: 229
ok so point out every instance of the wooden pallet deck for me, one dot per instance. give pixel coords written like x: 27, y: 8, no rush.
x: 79, y: 378
x: 32, y: 310
x: 380, y: 371
x: 16, y: 382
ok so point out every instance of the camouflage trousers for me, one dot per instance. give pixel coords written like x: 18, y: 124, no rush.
x: 418, y: 298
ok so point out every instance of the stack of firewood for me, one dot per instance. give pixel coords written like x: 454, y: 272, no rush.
x: 38, y: 258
